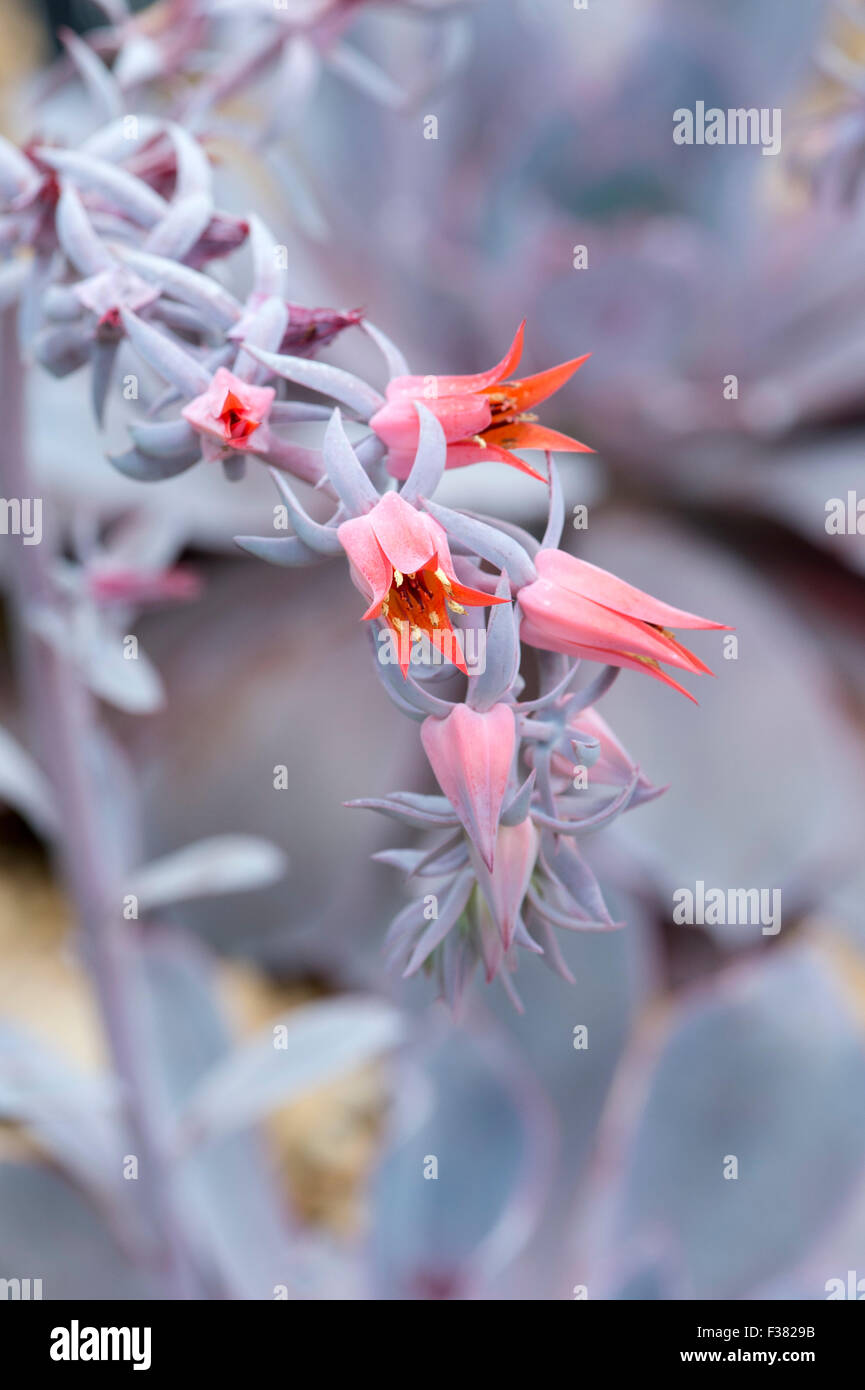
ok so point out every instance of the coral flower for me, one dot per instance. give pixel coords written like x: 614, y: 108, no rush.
x: 483, y: 416
x: 505, y: 887
x: 108, y: 586
x: 228, y: 413
x: 470, y: 752
x: 581, y: 610
x: 401, y: 561
x: 609, y: 764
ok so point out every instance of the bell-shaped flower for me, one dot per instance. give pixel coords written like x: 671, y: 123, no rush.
x: 504, y: 887
x: 401, y: 562
x: 471, y: 753
x: 228, y: 413
x: 578, y: 609
x: 484, y: 416
x: 588, y: 741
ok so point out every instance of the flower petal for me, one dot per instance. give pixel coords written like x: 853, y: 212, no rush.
x: 459, y: 416
x: 525, y: 434
x: 405, y: 535
x: 580, y: 577
x: 463, y: 454
x: 413, y: 386
x: 573, y: 622
x: 471, y: 753
x: 531, y: 390
x: 505, y: 888
x: 369, y: 564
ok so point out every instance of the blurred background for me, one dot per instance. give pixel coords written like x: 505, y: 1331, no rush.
x: 563, y: 1171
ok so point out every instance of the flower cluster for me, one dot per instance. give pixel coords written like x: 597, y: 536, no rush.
x: 123, y: 231
x: 521, y: 781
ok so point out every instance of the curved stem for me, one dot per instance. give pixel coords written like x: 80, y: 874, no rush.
x: 62, y: 716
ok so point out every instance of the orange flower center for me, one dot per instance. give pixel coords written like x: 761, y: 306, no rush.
x: 504, y: 403
x: 236, y: 419
x: 420, y: 602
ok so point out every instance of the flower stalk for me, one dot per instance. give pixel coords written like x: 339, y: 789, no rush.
x: 63, y: 722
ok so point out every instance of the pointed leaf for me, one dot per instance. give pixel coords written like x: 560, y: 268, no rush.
x: 220, y: 864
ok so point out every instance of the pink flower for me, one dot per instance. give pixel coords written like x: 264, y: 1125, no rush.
x: 104, y: 294
x: 470, y: 752
x: 228, y: 413
x: 138, y: 587
x: 401, y: 562
x: 613, y: 767
x: 581, y: 610
x: 483, y: 416
x: 505, y: 888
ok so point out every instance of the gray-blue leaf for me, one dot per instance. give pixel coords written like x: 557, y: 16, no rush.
x: 304, y: 1049
x: 220, y: 864
x: 23, y: 785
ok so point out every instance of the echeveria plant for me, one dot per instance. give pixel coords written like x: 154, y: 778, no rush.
x: 125, y: 272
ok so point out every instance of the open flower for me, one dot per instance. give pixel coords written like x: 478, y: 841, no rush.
x: 484, y: 416
x: 228, y: 413
x: 401, y: 561
x: 581, y: 610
